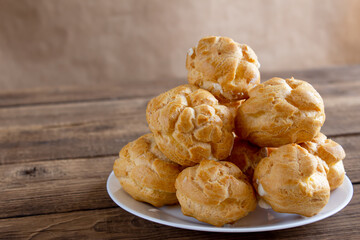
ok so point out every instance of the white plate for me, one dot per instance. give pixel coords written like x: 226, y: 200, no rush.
x: 257, y: 221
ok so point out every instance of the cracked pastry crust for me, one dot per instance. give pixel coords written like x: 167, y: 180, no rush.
x: 280, y: 111
x: 215, y: 192
x: 291, y: 180
x: 246, y: 156
x: 225, y: 68
x: 145, y: 173
x: 332, y: 154
x: 234, y: 106
x: 189, y: 125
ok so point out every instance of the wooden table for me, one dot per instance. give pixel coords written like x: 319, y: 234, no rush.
x: 58, y: 145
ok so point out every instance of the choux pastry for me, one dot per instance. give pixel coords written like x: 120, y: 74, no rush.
x: 240, y: 141
x: 291, y: 180
x: 189, y: 125
x: 280, y: 111
x: 215, y: 192
x: 225, y: 68
x: 332, y: 154
x: 145, y: 173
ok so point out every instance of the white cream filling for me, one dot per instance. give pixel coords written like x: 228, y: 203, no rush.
x: 264, y: 204
x: 190, y: 52
x: 212, y: 86
x: 217, y: 87
x: 261, y: 190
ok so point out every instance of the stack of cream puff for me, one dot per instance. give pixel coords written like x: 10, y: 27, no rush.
x: 225, y: 142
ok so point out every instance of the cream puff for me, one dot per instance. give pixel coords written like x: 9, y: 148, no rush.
x: 291, y: 180
x: 145, y: 173
x: 280, y: 111
x: 332, y: 154
x: 224, y: 67
x: 215, y: 192
x: 189, y: 125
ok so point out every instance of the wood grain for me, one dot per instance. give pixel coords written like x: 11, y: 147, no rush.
x: 57, y: 147
x: 115, y: 223
x: 347, y: 102
x: 63, y: 115
x: 54, y: 186
x: 351, y: 161
x: 85, y: 140
x: 329, y: 78
x: 70, y: 94
x: 33, y: 133
x: 320, y: 76
x: 77, y: 184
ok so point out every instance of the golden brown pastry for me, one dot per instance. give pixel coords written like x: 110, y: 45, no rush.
x: 332, y: 154
x: 280, y: 111
x: 336, y: 175
x: 291, y: 180
x: 189, y: 125
x: 215, y: 192
x: 234, y: 106
x: 246, y: 156
x: 145, y: 173
x: 225, y: 68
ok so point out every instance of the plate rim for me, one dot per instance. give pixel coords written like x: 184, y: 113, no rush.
x: 210, y: 228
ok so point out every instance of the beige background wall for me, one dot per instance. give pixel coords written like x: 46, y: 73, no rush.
x: 62, y: 42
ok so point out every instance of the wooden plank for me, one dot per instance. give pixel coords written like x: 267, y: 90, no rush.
x: 125, y: 89
x: 62, y: 115
x: 72, y: 141
x: 101, y: 128
x: 342, y: 101
x: 54, y: 186
x: 70, y: 130
x: 130, y: 89
x: 352, y: 159
x: 320, y: 76
x: 342, y: 115
x: 75, y: 184
x: 117, y: 224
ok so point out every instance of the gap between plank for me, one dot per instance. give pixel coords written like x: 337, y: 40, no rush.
x: 72, y: 211
x: 343, y: 135
x: 68, y: 158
